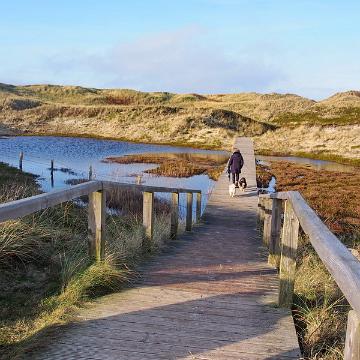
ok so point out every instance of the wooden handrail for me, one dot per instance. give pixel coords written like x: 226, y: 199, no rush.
x: 111, y: 184
x: 19, y: 208
x: 339, y: 261
x: 96, y: 190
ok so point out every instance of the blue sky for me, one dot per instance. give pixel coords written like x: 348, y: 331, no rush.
x: 207, y: 46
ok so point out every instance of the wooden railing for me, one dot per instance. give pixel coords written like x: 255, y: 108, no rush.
x: 283, y: 213
x: 96, y: 190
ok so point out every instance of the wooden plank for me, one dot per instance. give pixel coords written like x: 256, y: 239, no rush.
x: 174, y: 215
x: 352, y: 340
x: 96, y: 225
x: 289, y: 242
x: 148, y: 214
x: 341, y: 264
x: 275, y: 232
x: 108, y: 185
x: 19, y: 208
x: 198, y: 207
x: 189, y: 206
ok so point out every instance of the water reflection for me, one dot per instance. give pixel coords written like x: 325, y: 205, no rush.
x: 73, y: 157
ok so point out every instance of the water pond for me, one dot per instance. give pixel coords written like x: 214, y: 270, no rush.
x: 73, y: 156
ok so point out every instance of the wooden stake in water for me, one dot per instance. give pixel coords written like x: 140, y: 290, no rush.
x: 52, y: 173
x: 21, y: 160
x: 90, y: 172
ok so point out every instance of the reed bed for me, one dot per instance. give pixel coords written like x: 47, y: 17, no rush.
x: 178, y: 164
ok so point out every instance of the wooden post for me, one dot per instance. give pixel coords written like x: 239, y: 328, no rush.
x: 148, y: 214
x: 261, y: 208
x: 352, y: 340
x: 90, y: 173
x: 96, y: 225
x: 289, y: 241
x: 267, y: 221
x: 138, y: 179
x: 52, y: 173
x: 174, y: 215
x: 21, y: 157
x: 274, y: 245
x: 198, y: 207
x: 189, y: 205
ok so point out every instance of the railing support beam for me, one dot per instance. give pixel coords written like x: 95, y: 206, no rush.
x: 275, y: 232
x: 96, y: 225
x: 289, y: 241
x: 352, y: 340
x: 189, y: 206
x: 267, y: 221
x: 198, y: 207
x: 174, y: 215
x: 261, y: 211
x: 148, y: 214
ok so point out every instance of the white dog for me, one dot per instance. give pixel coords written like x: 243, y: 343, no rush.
x: 232, y: 190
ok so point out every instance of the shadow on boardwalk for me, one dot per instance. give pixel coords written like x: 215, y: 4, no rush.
x: 214, y: 327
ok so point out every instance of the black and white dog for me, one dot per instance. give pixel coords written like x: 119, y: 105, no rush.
x: 242, y: 184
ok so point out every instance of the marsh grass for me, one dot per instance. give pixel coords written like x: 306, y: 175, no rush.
x: 45, y: 272
x: 320, y: 310
x: 333, y: 195
x: 178, y: 164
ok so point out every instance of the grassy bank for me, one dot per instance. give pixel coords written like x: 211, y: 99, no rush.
x: 320, y: 309
x: 45, y: 273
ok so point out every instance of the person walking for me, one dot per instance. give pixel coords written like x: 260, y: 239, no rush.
x: 235, y: 163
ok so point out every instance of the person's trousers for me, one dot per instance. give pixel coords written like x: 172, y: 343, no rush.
x: 235, y: 177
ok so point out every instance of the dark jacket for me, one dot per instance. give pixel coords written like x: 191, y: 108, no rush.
x: 235, y: 163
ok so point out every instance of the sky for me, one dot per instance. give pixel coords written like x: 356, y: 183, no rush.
x: 307, y: 47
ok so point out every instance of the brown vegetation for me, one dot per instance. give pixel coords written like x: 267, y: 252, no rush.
x: 178, y: 164
x: 263, y: 176
x: 334, y: 196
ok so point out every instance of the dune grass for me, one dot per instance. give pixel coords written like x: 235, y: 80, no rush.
x: 45, y: 272
x: 320, y: 310
x: 340, y: 116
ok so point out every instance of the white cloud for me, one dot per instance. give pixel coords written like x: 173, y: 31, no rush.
x: 179, y: 61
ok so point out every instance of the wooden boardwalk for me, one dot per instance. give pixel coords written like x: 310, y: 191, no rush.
x: 211, y: 295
